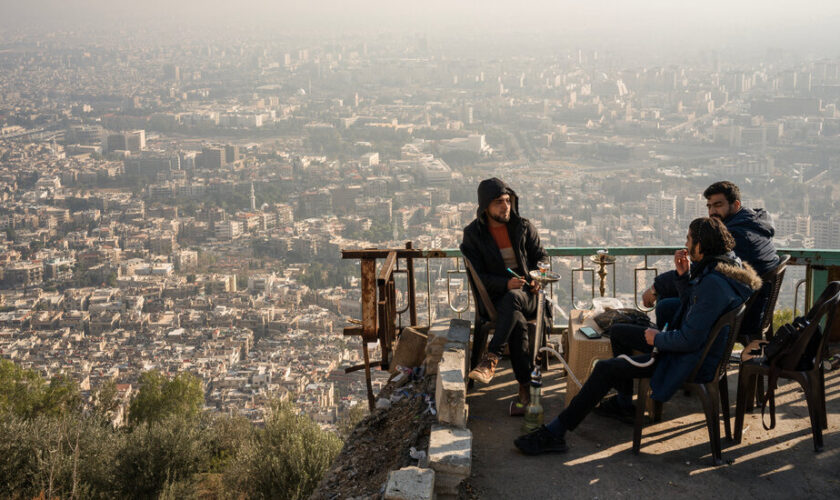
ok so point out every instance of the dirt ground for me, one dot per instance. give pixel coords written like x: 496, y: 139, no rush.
x: 381, y: 443
x: 675, y: 457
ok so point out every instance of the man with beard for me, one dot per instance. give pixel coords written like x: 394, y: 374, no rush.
x: 496, y: 242
x: 753, y: 232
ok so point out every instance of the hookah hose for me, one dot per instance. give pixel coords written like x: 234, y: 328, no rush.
x: 638, y: 364
x: 646, y: 363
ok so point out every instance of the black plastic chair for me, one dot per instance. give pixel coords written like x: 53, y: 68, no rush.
x: 765, y: 331
x: 811, y: 380
x: 714, y: 394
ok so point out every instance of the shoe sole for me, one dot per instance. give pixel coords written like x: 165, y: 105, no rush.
x: 480, y: 378
x: 549, y: 450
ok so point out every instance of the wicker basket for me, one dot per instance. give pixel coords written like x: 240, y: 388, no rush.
x: 583, y: 352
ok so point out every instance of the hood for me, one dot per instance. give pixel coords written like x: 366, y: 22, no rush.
x: 746, y: 280
x: 489, y: 190
x: 758, y: 220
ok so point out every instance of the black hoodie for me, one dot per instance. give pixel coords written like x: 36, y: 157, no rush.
x: 480, y: 248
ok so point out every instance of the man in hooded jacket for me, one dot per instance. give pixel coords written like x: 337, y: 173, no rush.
x: 497, y: 240
x: 753, y: 232
x: 715, y: 283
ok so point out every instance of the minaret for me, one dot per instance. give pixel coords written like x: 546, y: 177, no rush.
x: 253, y: 199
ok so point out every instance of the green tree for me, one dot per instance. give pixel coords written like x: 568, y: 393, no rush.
x: 286, y: 459
x: 25, y: 394
x: 158, y: 397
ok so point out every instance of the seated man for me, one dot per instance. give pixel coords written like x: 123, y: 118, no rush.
x: 497, y: 240
x: 716, y: 283
x: 753, y: 233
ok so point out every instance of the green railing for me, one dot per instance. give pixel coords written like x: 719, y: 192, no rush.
x: 821, y: 266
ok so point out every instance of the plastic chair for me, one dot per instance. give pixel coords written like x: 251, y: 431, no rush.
x: 713, y: 394
x: 811, y: 380
x: 765, y: 331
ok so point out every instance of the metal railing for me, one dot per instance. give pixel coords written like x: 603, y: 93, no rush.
x: 382, y: 319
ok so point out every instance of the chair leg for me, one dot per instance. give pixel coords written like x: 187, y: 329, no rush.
x: 745, y: 381
x: 641, y: 403
x: 811, y: 386
x: 821, y: 377
x: 710, y: 408
x: 723, y: 388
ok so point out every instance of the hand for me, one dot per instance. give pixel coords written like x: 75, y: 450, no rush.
x: 535, y: 287
x: 515, y: 283
x: 681, y: 261
x: 650, y: 334
x: 649, y: 297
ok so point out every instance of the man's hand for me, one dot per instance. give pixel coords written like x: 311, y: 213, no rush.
x: 515, y: 283
x: 650, y: 334
x: 535, y: 286
x: 681, y: 261
x: 649, y: 297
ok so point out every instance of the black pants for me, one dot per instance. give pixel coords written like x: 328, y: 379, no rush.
x: 513, y: 311
x: 610, y: 373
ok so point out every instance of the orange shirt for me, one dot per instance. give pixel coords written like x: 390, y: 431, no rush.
x: 500, y: 235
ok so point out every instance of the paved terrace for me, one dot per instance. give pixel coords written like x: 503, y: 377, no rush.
x: 675, y: 456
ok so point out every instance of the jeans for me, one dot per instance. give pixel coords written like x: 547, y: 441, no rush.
x: 610, y: 373
x: 513, y: 311
x: 665, y: 310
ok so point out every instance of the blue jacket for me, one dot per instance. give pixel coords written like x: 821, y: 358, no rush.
x: 718, y: 289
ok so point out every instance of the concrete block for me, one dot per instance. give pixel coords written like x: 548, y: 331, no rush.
x: 410, y: 483
x: 450, y: 389
x: 450, y: 451
x: 459, y: 331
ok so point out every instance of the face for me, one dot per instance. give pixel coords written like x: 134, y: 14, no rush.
x: 720, y: 207
x: 499, y: 209
x: 694, y: 252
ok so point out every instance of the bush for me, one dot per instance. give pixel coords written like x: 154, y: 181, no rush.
x: 159, y: 454
x: 285, y: 460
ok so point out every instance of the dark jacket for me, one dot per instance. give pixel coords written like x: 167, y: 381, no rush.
x: 719, y: 288
x: 480, y: 248
x: 753, y: 233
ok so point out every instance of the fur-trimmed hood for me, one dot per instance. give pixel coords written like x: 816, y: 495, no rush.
x: 744, y: 274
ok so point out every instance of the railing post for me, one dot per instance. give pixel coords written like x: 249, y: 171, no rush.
x: 412, y: 300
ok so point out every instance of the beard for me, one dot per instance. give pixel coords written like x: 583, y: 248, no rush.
x: 717, y: 216
x: 503, y: 219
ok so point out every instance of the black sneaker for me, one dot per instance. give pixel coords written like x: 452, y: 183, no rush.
x: 540, y: 441
x: 611, y: 408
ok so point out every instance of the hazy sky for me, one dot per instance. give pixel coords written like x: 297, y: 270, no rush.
x: 712, y: 23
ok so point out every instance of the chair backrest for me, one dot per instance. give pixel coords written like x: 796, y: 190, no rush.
x: 825, y: 307
x: 774, y: 276
x: 732, y: 319
x: 483, y: 305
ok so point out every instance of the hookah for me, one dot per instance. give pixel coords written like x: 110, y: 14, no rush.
x: 534, y: 415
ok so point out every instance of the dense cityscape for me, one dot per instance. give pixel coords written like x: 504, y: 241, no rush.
x: 181, y: 206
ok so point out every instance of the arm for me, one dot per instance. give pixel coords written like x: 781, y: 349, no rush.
x: 709, y: 302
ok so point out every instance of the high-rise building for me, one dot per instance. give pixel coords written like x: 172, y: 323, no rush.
x: 213, y: 158
x: 135, y: 140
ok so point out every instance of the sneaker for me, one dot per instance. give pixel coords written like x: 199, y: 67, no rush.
x: 541, y: 441
x: 486, y: 368
x: 611, y: 408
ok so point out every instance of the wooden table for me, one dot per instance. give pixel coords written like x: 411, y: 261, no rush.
x: 583, y: 352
